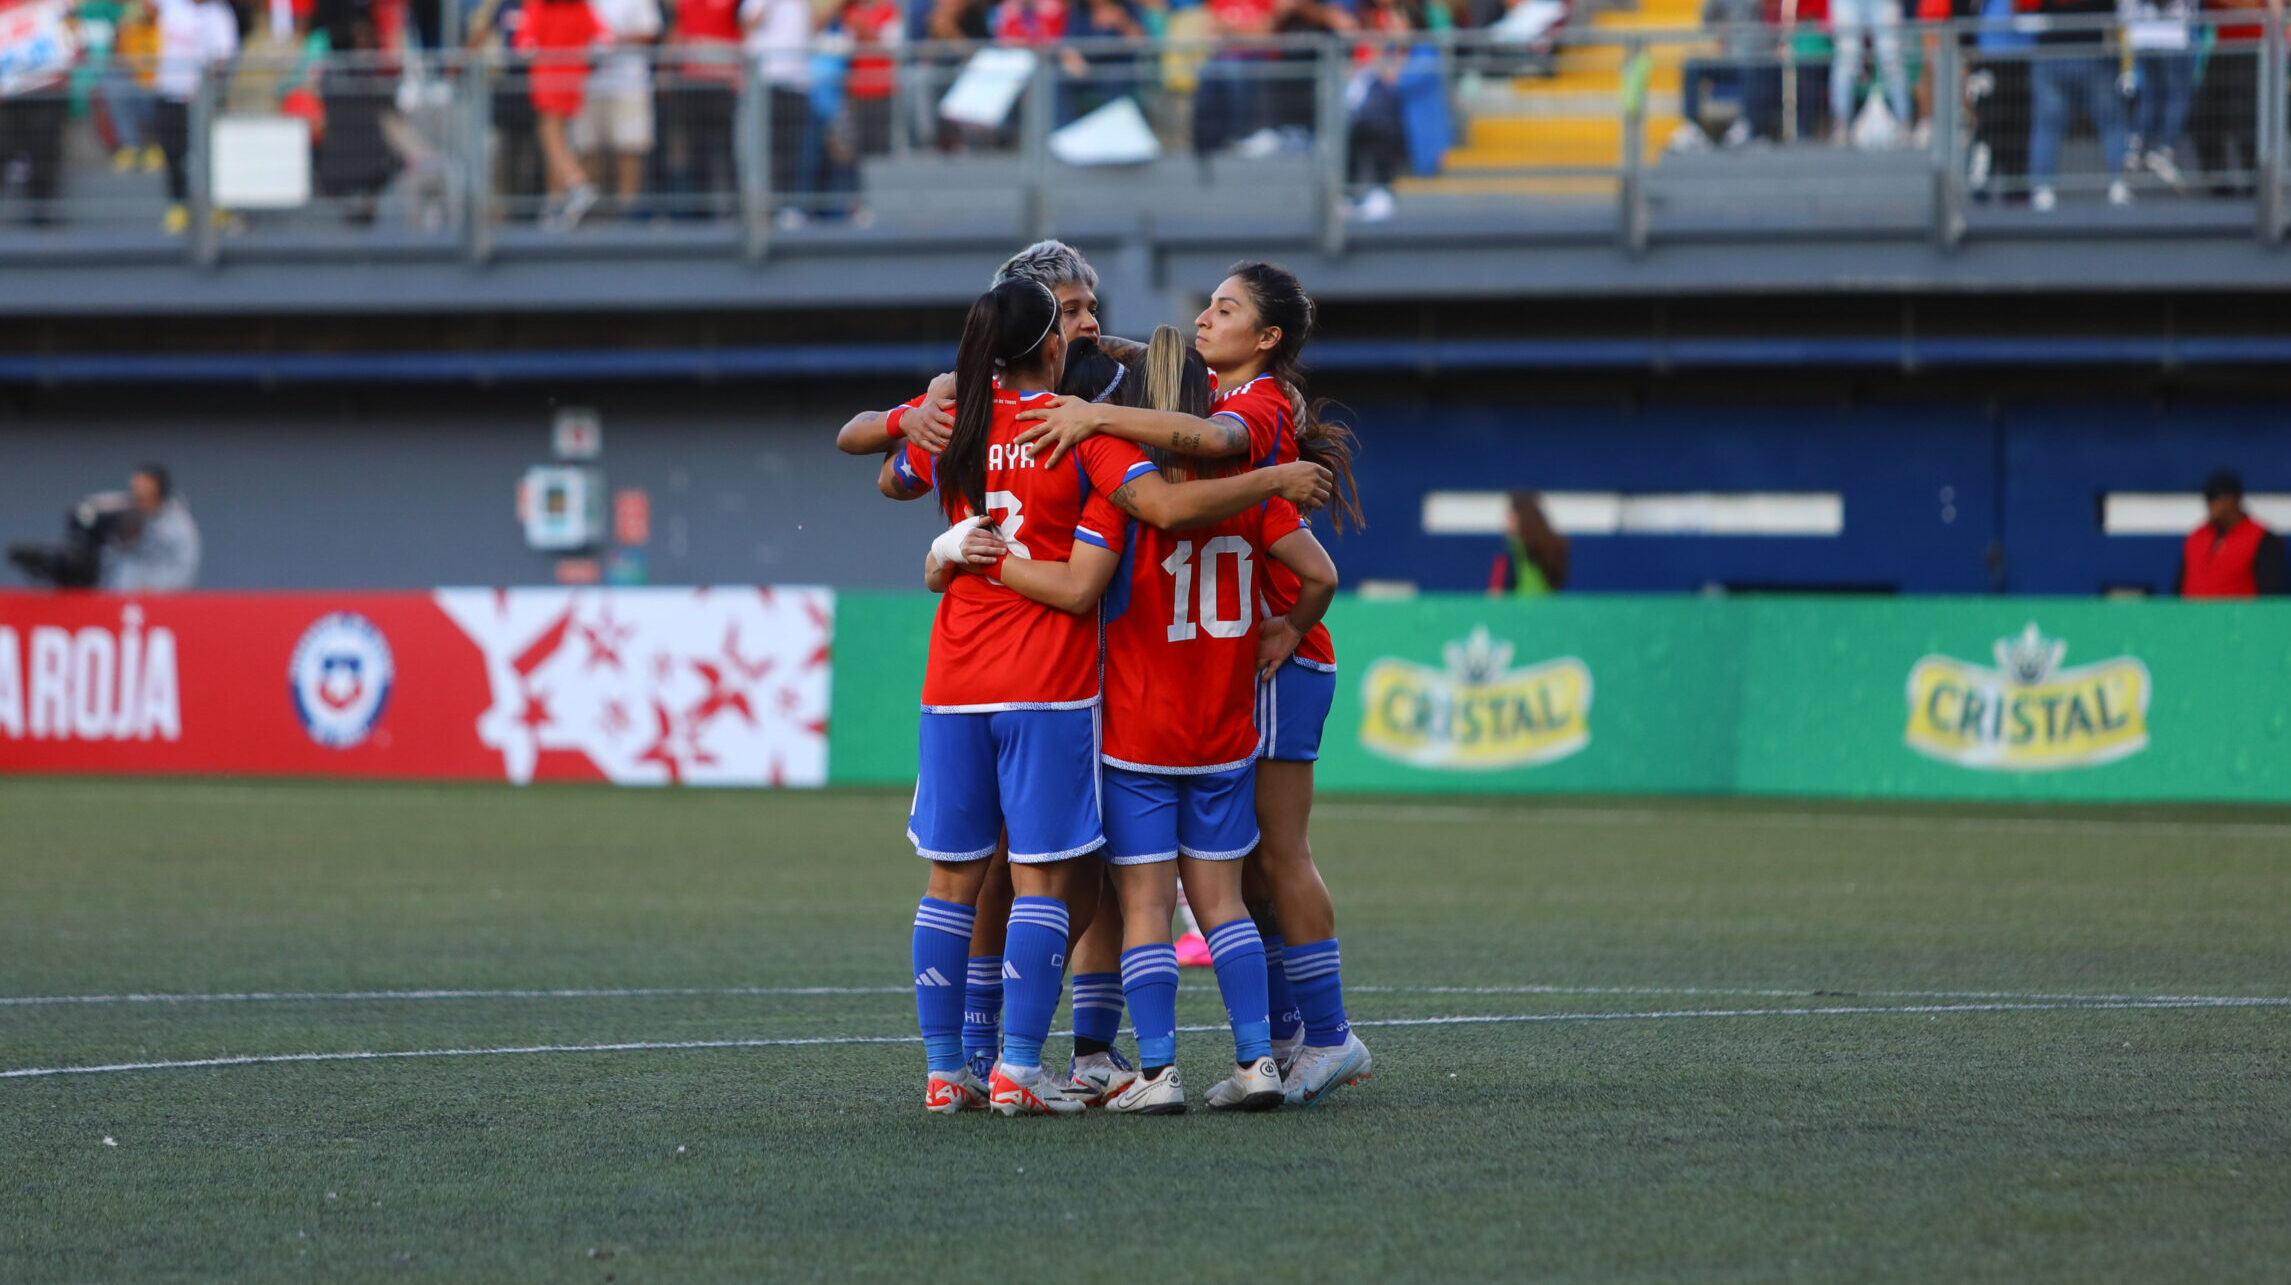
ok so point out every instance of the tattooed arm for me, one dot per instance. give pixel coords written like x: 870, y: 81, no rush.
x: 1068, y: 421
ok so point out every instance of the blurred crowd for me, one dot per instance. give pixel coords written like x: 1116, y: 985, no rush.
x: 2165, y: 87
x: 630, y: 106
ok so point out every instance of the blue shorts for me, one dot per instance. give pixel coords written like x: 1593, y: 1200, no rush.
x: 1032, y: 772
x: 1291, y: 709
x: 1154, y: 816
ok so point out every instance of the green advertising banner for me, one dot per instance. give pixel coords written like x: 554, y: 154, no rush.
x: 1993, y: 698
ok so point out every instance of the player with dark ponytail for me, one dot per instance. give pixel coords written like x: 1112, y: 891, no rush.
x: 1008, y: 737
x: 1253, y: 335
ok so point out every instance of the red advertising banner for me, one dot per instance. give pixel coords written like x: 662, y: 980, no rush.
x: 637, y: 686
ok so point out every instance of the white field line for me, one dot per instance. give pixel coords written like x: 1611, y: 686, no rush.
x: 737, y: 992
x: 1398, y: 813
x: 1838, y: 1010
x: 293, y: 997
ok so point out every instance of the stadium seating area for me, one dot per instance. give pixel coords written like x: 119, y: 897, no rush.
x: 413, y: 126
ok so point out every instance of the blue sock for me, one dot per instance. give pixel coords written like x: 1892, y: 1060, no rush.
x: 1033, y: 972
x: 1097, y: 1007
x: 982, y: 1008
x: 1280, y: 1001
x: 1239, y: 954
x: 942, y: 943
x: 1149, y: 982
x: 1315, y: 973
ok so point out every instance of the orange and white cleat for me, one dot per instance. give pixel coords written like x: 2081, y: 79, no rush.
x: 1014, y: 1091
x: 948, y: 1092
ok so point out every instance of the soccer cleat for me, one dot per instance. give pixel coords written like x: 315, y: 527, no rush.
x: 1097, y: 1077
x: 1319, y: 1071
x: 1011, y: 1091
x: 1164, y: 1095
x: 1286, y: 1052
x: 1193, y: 952
x: 948, y: 1092
x: 1255, y: 1087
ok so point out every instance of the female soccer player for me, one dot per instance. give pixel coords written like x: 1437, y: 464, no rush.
x: 1180, y: 755
x: 1252, y: 334
x: 1008, y: 729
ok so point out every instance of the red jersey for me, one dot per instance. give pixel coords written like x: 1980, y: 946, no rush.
x: 1262, y: 407
x: 559, y: 32
x: 1181, y: 652
x: 710, y: 31
x: 1028, y: 22
x: 873, y: 25
x: 991, y: 647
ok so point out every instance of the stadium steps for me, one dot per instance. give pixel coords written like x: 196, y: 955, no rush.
x: 1571, y: 119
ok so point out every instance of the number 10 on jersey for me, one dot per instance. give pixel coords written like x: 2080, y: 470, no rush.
x: 1180, y: 565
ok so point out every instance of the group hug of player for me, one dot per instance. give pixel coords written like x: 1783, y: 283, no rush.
x: 1127, y: 681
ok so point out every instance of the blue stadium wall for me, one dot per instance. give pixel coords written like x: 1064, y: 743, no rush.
x: 335, y: 487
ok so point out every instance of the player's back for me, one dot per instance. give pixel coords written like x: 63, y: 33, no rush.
x: 991, y: 647
x: 1181, y: 653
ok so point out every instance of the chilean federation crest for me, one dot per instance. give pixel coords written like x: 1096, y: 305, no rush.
x: 340, y: 677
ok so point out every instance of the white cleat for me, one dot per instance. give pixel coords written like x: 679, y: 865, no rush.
x: 1286, y: 1052
x: 1255, y: 1087
x: 949, y: 1092
x: 1161, y: 1096
x: 1097, y: 1077
x: 1321, y: 1070
x: 1012, y: 1091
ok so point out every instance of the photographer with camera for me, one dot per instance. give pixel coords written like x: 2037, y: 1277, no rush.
x: 141, y: 540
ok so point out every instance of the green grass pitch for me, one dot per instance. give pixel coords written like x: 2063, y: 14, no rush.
x: 1726, y: 1040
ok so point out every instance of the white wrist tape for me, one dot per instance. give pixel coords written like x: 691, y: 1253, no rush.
x: 948, y: 548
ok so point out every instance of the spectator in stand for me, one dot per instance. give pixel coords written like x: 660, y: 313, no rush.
x: 779, y: 45
x: 37, y: 56
x: 559, y: 35
x: 518, y: 169
x: 618, y: 115
x: 1097, y: 78
x: 2229, y: 556
x: 1881, y: 21
x: 876, y: 28
x: 2159, y: 35
x: 1291, y: 98
x: 2081, y: 70
x: 126, y: 90
x: 1031, y: 23
x: 699, y: 108
x: 960, y: 19
x: 1229, y: 104
x: 352, y: 160
x: 1376, y: 124
x: 2226, y: 109
x: 196, y: 38
x: 1747, y: 68
x: 1996, y: 88
x: 160, y: 552
x: 1534, y: 561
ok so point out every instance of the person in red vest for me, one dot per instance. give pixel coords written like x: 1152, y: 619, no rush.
x: 2230, y: 556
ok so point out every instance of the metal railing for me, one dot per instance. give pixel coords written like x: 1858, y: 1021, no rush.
x: 1650, y: 135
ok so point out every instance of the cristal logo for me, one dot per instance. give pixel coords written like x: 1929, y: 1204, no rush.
x: 340, y: 678
x: 90, y: 684
x: 2028, y: 714
x: 1478, y: 713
